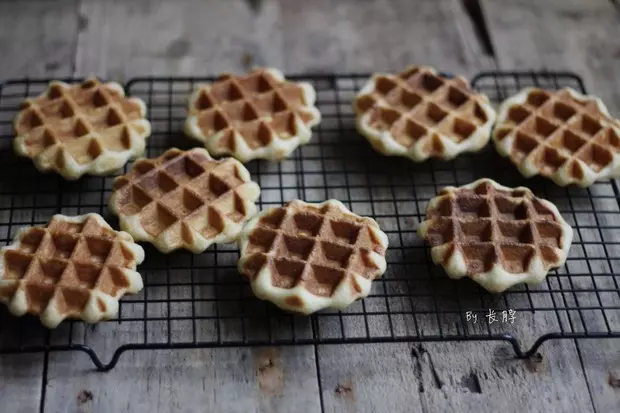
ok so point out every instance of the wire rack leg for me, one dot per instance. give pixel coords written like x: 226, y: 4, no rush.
x: 534, y: 349
x: 93, y: 356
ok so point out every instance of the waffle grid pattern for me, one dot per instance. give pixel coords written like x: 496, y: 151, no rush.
x: 200, y: 300
x: 562, y: 135
x: 184, y: 200
x: 307, y: 257
x: 495, y: 235
x: 420, y: 114
x: 260, y: 115
x: 90, y: 127
x: 75, y: 267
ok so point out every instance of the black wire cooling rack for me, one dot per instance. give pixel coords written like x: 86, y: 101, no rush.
x: 195, y: 301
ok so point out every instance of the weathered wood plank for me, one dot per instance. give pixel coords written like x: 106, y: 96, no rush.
x: 335, y: 47
x: 577, y: 35
x: 173, y: 38
x: 353, y: 36
x: 37, y: 38
x: 20, y: 386
x: 184, y: 38
x: 231, y: 380
x: 601, y: 362
x: 189, y: 37
x: 463, y: 377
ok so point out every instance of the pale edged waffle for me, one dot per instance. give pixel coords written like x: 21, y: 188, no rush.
x: 260, y: 115
x: 184, y: 199
x: 421, y: 114
x: 85, y: 128
x: 495, y: 235
x: 305, y: 257
x: 560, y: 134
x: 73, y: 267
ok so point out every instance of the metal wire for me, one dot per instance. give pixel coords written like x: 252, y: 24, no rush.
x: 199, y: 301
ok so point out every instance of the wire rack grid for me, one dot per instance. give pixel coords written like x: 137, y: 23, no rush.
x: 194, y: 301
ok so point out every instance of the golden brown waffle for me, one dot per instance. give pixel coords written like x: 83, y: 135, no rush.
x: 260, y: 115
x: 562, y: 135
x: 86, y: 128
x: 495, y: 235
x: 74, y: 267
x: 420, y: 114
x: 305, y: 257
x: 184, y: 199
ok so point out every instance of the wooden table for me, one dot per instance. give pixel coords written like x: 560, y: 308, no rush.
x: 118, y: 40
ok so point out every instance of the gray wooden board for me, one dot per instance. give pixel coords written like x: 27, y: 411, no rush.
x: 345, y: 36
x: 601, y: 363
x: 559, y: 35
x: 231, y: 380
x: 580, y: 35
x: 20, y: 382
x: 37, y: 38
x: 459, y: 377
x: 192, y: 37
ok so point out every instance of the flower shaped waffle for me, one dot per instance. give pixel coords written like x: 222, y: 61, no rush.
x: 562, y: 135
x: 260, y: 115
x: 421, y: 114
x: 86, y: 128
x: 305, y: 257
x: 184, y: 199
x: 495, y: 235
x: 75, y: 267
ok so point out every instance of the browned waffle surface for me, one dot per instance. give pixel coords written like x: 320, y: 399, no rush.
x: 260, y: 115
x: 74, y: 267
x: 495, y: 235
x: 420, y: 113
x: 305, y: 257
x: 184, y: 199
x: 90, y: 127
x: 562, y: 135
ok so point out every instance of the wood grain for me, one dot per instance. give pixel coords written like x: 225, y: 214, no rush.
x: 601, y: 362
x: 231, y: 380
x: 37, y: 38
x: 353, y: 36
x: 118, y: 40
x: 20, y: 387
x: 189, y: 37
x: 463, y: 377
x: 578, y: 35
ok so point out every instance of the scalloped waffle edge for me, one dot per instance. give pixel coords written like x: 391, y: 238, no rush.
x: 99, y: 305
x: 496, y: 278
x: 425, y: 133
x: 566, y: 157
x: 188, y: 205
x: 270, y: 142
x: 94, y: 158
x: 350, y: 286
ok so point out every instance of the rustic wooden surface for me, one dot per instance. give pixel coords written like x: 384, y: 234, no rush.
x: 118, y: 39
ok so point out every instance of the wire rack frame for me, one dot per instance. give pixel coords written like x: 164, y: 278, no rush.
x: 199, y: 301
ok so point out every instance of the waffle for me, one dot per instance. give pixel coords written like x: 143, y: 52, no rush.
x: 495, y: 235
x: 420, y: 113
x: 86, y: 128
x: 305, y: 257
x: 74, y: 267
x: 562, y: 135
x: 184, y: 199
x: 260, y: 115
